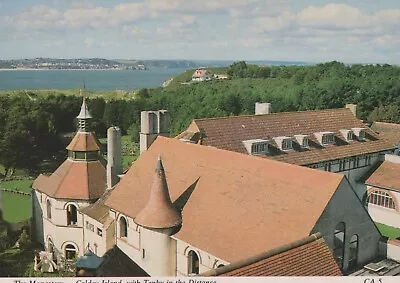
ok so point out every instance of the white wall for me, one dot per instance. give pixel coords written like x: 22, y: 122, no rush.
x: 93, y: 238
x: 56, y: 228
x: 393, y: 249
x: 207, y: 261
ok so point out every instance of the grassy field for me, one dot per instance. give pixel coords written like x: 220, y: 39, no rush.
x: 16, y: 207
x: 20, y: 185
x: 108, y: 95
x: 388, y: 231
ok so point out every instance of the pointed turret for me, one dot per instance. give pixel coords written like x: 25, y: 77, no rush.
x: 159, y: 213
x: 83, y: 116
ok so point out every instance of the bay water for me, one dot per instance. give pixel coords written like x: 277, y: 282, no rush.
x: 95, y: 80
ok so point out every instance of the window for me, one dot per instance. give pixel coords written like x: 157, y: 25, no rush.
x: 349, y: 136
x: 99, y: 232
x: 70, y: 252
x: 353, y: 251
x: 361, y: 135
x: 123, y: 227
x: 89, y: 226
x: 328, y: 139
x: 259, y: 147
x: 305, y: 142
x: 327, y: 166
x: 338, y: 244
x: 193, y: 263
x: 286, y: 144
x: 80, y: 155
x: 381, y: 198
x: 72, y: 215
x: 48, y: 209
x: 341, y: 164
x: 368, y: 160
x: 92, y: 155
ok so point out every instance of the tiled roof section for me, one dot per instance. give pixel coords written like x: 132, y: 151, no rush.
x: 307, y: 257
x: 98, y: 210
x: 222, y: 191
x: 230, y: 132
x: 84, y: 141
x: 74, y: 180
x: 386, y: 176
x: 389, y: 131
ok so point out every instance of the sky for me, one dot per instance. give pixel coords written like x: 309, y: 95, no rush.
x: 350, y: 31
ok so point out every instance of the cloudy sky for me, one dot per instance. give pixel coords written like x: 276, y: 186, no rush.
x: 307, y: 30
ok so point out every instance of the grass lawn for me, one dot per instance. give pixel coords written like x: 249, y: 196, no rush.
x: 20, y: 185
x: 388, y: 231
x: 16, y: 207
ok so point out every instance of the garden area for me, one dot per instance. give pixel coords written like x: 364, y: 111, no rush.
x: 388, y: 231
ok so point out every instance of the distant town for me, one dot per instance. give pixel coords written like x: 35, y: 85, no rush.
x: 92, y: 64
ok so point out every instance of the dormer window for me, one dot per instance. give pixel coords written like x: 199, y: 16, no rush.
x: 256, y: 146
x: 347, y: 134
x: 259, y: 148
x: 325, y: 138
x: 302, y: 140
x: 359, y: 133
x: 328, y: 138
x: 284, y: 143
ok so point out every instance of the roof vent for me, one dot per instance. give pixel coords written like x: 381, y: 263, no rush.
x: 256, y: 146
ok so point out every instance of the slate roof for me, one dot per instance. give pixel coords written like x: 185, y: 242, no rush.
x: 84, y: 141
x: 386, y: 176
x: 85, y: 180
x: 309, y: 256
x: 230, y: 201
x: 230, y: 132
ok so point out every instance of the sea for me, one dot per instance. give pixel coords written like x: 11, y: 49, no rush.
x: 94, y: 80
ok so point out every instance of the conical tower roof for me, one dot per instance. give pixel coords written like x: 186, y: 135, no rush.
x: 84, y: 114
x: 159, y: 212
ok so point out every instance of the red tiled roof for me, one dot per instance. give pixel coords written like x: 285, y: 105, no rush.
x: 84, y: 141
x: 307, y: 257
x: 237, y: 200
x: 386, y: 176
x: 74, y: 180
x: 230, y: 132
x: 389, y: 131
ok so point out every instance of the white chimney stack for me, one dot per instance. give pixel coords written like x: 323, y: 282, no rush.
x: 262, y: 108
x: 152, y: 124
x: 114, y: 162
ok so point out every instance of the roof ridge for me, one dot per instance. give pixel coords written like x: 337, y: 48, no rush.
x: 250, y: 157
x: 273, y: 114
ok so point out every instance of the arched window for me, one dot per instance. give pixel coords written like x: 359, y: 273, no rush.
x: 338, y: 244
x: 220, y: 265
x: 123, y: 227
x: 381, y: 198
x: 353, y: 251
x: 48, y: 209
x: 72, y: 214
x: 193, y: 263
x: 70, y: 251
